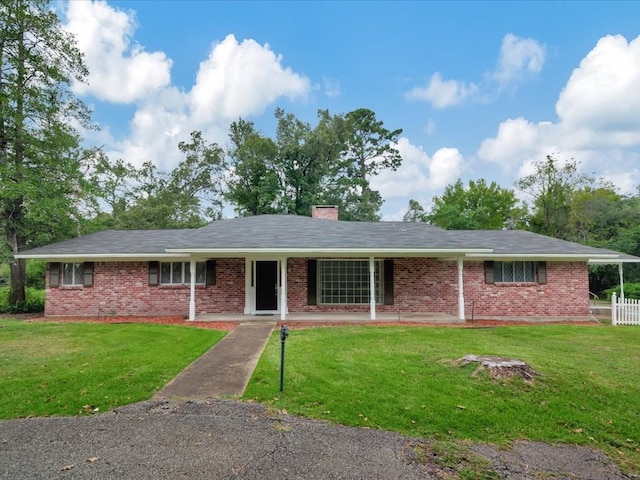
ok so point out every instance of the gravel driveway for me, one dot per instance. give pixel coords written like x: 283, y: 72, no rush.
x: 226, y: 439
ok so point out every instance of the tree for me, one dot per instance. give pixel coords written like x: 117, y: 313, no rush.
x: 304, y: 159
x: 552, y: 187
x: 415, y: 213
x: 331, y: 163
x: 41, y: 163
x: 145, y: 198
x: 368, y: 149
x: 253, y: 183
x: 479, y: 206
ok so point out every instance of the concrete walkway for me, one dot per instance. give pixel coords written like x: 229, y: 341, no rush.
x: 225, y: 369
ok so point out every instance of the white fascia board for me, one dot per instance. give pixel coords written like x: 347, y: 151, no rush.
x: 606, y: 257
x: 330, y: 252
x: 612, y: 261
x: 107, y: 257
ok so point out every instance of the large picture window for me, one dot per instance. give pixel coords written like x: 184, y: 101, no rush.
x: 347, y: 281
x: 179, y: 273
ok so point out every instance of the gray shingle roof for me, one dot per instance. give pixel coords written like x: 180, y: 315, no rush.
x: 297, y: 233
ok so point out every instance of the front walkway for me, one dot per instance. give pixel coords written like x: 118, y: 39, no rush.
x: 225, y: 369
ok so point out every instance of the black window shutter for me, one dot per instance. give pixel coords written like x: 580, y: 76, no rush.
x: 154, y: 273
x: 54, y: 274
x: 388, y: 282
x: 312, y: 273
x: 211, y: 272
x: 488, y: 272
x: 542, y: 272
x: 88, y: 274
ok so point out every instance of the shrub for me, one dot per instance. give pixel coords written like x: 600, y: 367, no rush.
x: 36, y: 272
x: 33, y: 303
x: 631, y: 290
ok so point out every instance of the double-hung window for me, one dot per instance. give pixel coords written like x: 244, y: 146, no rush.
x: 516, y: 272
x: 347, y: 281
x: 179, y: 273
x: 72, y: 273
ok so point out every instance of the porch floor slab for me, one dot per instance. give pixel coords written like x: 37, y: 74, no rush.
x: 435, y: 318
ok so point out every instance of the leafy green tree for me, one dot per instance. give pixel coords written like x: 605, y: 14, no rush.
x: 368, y: 149
x: 329, y: 163
x: 145, y: 198
x: 478, y: 206
x: 415, y: 213
x: 253, y: 186
x: 552, y: 187
x: 615, y: 225
x: 304, y: 159
x: 41, y: 163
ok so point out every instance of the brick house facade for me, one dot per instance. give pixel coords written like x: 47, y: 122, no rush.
x: 284, y: 264
x: 420, y: 285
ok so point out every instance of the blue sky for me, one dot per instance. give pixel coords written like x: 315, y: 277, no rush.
x: 480, y: 89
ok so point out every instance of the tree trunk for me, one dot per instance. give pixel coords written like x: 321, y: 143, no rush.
x: 16, y: 243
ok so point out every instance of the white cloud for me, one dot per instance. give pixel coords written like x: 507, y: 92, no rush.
x: 331, y: 87
x: 120, y: 70
x: 598, y: 124
x: 419, y: 173
x: 518, y: 57
x: 237, y: 79
x: 445, y: 168
x: 443, y: 93
x: 602, y: 95
x: 240, y: 79
x: 430, y: 128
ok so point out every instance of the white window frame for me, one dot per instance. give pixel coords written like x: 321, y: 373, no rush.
x: 77, y: 274
x: 350, y: 298
x: 185, y: 273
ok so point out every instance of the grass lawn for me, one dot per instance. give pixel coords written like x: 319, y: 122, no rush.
x: 404, y: 379
x: 72, y: 368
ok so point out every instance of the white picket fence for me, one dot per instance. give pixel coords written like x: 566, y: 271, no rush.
x: 625, y: 311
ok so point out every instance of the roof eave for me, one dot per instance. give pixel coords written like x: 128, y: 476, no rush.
x: 53, y: 257
x: 603, y: 257
x: 315, y: 252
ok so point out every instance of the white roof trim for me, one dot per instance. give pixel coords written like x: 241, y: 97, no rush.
x: 327, y: 251
x: 605, y: 257
x: 613, y: 261
x: 100, y: 256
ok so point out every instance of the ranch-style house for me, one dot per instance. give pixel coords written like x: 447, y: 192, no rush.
x: 284, y: 264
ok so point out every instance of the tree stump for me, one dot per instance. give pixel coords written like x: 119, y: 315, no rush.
x: 499, y: 367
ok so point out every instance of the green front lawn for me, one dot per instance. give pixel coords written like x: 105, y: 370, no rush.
x: 71, y: 368
x: 405, y: 379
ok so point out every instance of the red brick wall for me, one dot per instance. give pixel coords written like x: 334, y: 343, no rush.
x: 328, y: 212
x: 122, y: 288
x: 420, y: 285
x: 566, y: 293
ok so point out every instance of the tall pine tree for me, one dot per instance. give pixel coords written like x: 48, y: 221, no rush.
x: 41, y: 162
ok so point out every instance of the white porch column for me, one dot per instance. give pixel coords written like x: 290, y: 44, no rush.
x: 372, y: 287
x: 460, y: 290
x: 283, y: 288
x: 248, y: 286
x: 621, y: 273
x: 192, y: 285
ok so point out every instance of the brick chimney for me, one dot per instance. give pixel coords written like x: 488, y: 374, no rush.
x: 328, y: 212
